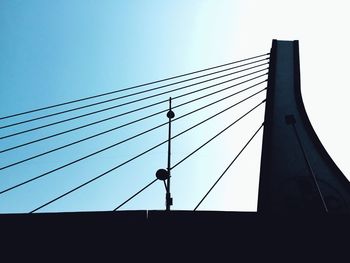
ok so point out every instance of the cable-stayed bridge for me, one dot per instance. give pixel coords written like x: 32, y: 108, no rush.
x: 297, y: 174
x: 245, y: 78
x: 54, y: 159
x: 52, y: 153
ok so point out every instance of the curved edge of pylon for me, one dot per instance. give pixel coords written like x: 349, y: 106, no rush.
x: 302, y: 111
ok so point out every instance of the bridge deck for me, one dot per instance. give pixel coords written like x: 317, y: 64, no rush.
x: 147, y: 234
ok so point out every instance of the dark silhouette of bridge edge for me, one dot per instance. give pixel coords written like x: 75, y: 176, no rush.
x: 297, y: 174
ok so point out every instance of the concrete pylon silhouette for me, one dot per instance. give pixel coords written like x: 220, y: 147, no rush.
x: 296, y: 174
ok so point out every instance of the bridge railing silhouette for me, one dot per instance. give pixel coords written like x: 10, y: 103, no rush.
x: 247, y: 73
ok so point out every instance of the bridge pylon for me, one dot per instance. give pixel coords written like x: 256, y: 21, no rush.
x: 296, y: 174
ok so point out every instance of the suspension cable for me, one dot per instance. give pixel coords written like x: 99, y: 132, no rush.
x: 134, y: 195
x: 129, y: 88
x: 130, y: 138
x: 129, y: 95
x: 142, y: 133
x: 127, y: 103
x: 218, y: 134
x: 132, y: 111
x: 152, y: 182
x: 129, y: 160
x: 228, y: 167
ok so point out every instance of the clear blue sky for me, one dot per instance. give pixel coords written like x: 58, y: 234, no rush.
x: 54, y: 51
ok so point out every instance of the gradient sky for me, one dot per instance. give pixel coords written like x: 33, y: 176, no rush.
x: 55, y: 51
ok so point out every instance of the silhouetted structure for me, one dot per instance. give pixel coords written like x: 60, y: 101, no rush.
x: 297, y: 174
x: 298, y: 177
